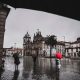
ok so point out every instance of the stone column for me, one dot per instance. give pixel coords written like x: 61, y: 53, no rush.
x: 4, y: 11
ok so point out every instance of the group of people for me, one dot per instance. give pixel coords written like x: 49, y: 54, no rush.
x: 34, y: 56
x: 17, y: 61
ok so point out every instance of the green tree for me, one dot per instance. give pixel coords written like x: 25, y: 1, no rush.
x: 51, y: 41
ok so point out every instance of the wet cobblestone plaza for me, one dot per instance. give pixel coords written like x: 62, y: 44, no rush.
x: 44, y: 69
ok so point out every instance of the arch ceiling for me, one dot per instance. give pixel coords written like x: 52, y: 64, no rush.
x: 66, y: 8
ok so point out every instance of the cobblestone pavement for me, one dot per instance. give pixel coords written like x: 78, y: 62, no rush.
x: 44, y: 69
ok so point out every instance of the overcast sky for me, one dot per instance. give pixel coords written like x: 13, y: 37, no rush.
x: 20, y: 21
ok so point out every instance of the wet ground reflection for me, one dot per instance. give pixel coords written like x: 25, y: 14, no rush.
x: 16, y: 74
x: 46, y: 69
x: 43, y: 69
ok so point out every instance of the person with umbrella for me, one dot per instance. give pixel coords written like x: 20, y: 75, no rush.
x: 58, y: 57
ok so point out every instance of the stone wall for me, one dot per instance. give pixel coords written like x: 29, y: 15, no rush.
x: 3, y: 15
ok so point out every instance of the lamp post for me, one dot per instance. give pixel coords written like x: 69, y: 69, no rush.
x: 64, y: 38
x: 14, y: 45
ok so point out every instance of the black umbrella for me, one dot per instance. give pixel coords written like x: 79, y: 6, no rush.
x: 67, y: 8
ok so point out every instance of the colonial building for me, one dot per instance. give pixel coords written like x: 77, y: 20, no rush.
x: 11, y: 51
x: 73, y: 49
x: 3, y: 15
x: 38, y: 45
x: 60, y: 47
x: 67, y: 45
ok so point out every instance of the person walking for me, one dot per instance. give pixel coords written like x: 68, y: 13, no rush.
x: 58, y: 58
x: 16, y: 60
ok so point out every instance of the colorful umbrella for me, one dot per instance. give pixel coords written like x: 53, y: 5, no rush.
x: 58, y: 55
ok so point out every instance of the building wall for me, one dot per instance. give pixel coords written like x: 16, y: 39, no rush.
x: 73, y: 49
x: 11, y: 51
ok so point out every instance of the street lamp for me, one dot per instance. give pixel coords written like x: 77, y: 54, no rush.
x: 64, y: 38
x: 14, y: 45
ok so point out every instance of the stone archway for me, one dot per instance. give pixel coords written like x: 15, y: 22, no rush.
x: 4, y: 11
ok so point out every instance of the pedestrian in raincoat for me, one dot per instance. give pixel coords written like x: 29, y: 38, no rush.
x: 16, y: 60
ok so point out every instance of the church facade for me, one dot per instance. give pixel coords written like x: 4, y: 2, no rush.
x: 32, y: 47
x: 38, y: 45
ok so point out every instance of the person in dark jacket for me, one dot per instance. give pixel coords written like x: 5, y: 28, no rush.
x: 16, y: 60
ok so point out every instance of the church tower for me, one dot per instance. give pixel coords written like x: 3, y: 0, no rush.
x: 27, y: 45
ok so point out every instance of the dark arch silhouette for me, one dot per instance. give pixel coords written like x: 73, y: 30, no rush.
x: 68, y: 8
